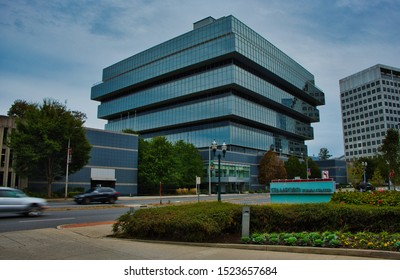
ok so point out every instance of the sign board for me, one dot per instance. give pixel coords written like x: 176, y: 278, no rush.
x: 198, y: 180
x: 302, y: 191
x: 325, y: 174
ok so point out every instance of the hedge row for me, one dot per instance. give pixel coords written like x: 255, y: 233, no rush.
x: 197, y: 222
x: 376, y: 198
x: 209, y: 221
x: 324, y: 217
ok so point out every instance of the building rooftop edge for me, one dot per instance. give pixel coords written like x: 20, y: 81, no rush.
x: 369, y: 69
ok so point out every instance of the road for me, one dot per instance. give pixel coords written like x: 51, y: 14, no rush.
x: 63, y: 212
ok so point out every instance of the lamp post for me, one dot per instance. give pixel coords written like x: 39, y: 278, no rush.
x: 209, y: 170
x: 364, y: 164
x: 214, y: 147
x: 69, y: 153
x: 306, y: 159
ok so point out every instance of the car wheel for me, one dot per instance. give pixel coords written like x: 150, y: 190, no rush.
x: 111, y: 200
x: 86, y: 200
x: 33, y: 211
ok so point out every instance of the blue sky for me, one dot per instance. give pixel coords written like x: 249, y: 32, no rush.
x: 58, y: 48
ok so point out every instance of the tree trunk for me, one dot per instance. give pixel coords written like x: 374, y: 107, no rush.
x: 49, y: 181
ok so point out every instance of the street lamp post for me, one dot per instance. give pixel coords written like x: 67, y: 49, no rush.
x: 209, y: 170
x: 67, y: 168
x: 364, y: 164
x: 223, y: 149
x: 306, y: 159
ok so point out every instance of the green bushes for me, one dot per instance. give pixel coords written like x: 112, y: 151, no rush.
x: 212, y: 221
x: 324, y: 217
x: 375, y: 198
x: 197, y: 222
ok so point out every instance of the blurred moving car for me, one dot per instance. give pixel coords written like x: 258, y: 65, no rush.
x: 363, y: 187
x: 101, y: 194
x: 15, y: 201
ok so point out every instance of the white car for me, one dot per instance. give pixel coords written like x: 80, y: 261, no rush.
x: 16, y: 201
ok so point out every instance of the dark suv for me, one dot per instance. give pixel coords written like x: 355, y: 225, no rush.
x: 364, y: 187
x: 101, y: 194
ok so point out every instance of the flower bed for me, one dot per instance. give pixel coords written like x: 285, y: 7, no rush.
x: 360, y: 240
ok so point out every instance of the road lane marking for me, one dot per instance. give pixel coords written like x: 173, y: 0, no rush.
x: 46, y: 220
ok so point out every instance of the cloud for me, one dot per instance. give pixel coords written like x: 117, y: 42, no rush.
x: 59, y: 48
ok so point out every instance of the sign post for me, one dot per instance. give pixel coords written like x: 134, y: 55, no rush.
x: 198, y: 182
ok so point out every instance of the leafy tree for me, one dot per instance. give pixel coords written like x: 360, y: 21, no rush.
x: 293, y: 167
x: 377, y: 179
x: 271, y: 167
x: 324, y: 154
x: 40, y: 141
x: 156, y: 163
x: 174, y: 165
x: 315, y: 171
x: 189, y: 163
x: 20, y: 107
x: 355, y: 172
x: 390, y: 149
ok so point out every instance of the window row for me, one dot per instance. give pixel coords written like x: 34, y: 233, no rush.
x: 368, y: 129
x: 365, y: 136
x: 371, y: 152
x: 360, y: 88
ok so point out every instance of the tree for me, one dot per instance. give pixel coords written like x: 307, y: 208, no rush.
x: 156, y: 163
x: 271, y: 167
x: 355, y: 172
x: 315, y: 171
x: 390, y: 152
x: 174, y: 165
x: 377, y: 179
x: 293, y: 167
x: 324, y: 154
x: 40, y: 141
x: 189, y: 163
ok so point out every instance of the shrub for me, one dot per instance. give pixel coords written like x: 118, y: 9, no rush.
x: 375, y: 198
x: 211, y: 221
x: 195, y: 222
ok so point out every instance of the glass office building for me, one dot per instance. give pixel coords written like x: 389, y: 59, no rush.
x: 370, y: 101
x: 113, y: 163
x: 220, y: 81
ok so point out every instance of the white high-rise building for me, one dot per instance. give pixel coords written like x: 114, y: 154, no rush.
x: 370, y: 102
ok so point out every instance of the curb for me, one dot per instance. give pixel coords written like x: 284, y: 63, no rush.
x: 377, y: 254
x: 85, y: 225
x: 291, y: 249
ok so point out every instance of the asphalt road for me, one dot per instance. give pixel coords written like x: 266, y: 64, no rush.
x: 52, y: 219
x: 63, y: 212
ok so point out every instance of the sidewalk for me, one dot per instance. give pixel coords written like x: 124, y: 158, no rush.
x: 90, y: 242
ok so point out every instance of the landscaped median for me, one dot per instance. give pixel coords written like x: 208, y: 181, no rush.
x: 322, y: 225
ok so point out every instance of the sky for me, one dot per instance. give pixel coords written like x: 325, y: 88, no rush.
x: 57, y: 49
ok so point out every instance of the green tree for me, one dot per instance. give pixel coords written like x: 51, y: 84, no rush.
x: 189, y: 164
x: 324, y: 154
x: 293, y: 167
x: 40, y: 141
x: 271, y: 167
x: 156, y: 163
x: 315, y: 171
x: 377, y: 179
x: 355, y: 172
x: 390, y: 152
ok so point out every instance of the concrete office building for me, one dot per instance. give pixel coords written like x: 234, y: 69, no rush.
x: 370, y: 102
x: 8, y: 177
x: 220, y: 81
